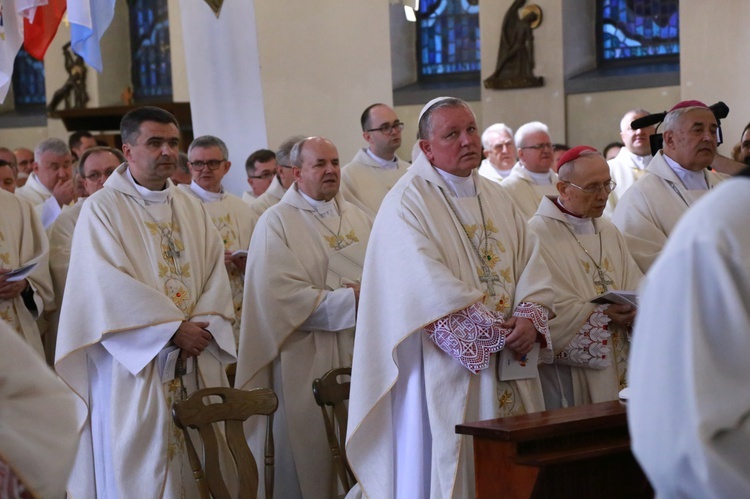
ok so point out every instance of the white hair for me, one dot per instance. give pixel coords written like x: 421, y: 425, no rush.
x: 527, y: 129
x: 496, y: 128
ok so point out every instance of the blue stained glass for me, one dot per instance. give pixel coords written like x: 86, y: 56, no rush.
x: 451, y: 36
x: 151, y: 68
x: 638, y: 28
x: 28, y: 81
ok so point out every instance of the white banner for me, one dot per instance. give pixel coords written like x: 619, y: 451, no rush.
x: 223, y: 69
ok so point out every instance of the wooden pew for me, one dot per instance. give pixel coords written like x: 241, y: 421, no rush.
x: 578, y: 452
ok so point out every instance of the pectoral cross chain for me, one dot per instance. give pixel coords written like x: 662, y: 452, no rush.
x: 489, y: 278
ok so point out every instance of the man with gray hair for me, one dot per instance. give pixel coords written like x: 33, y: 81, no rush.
x: 532, y: 178
x: 209, y: 163
x: 299, y: 311
x: 587, y: 256
x: 281, y: 182
x: 94, y: 166
x: 630, y: 163
x: 50, y: 185
x: 499, y: 152
x: 453, y: 287
x: 674, y: 180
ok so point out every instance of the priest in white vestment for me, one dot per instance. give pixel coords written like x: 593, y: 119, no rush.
x: 630, y: 163
x: 532, y: 178
x: 50, y: 185
x: 499, y: 152
x: 95, y: 166
x: 23, y: 241
x: 38, y: 436
x: 146, y: 284
x: 451, y: 277
x: 675, y: 179
x: 587, y: 256
x: 234, y: 220
x: 689, y: 401
x: 281, y: 182
x: 375, y: 169
x: 297, y: 322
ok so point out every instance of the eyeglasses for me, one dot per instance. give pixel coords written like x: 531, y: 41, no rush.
x: 265, y: 175
x: 94, y: 176
x: 538, y: 147
x: 212, y: 164
x: 388, y: 128
x: 502, y: 145
x: 594, y: 189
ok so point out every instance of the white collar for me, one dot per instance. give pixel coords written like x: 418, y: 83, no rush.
x: 539, y: 178
x: 387, y: 164
x: 462, y: 187
x: 693, y: 181
x: 149, y: 196
x: 324, y: 208
x: 640, y: 162
x: 206, y: 196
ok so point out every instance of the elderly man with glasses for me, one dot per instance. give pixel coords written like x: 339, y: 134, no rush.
x: 207, y: 157
x: 532, y: 178
x: 587, y: 257
x: 95, y: 166
x: 282, y: 181
x: 374, y: 170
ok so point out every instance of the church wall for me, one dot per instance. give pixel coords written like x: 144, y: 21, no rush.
x: 322, y: 64
x: 714, y: 49
x: 594, y: 118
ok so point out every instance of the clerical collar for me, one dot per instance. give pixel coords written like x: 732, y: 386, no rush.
x: 693, y: 181
x: 386, y: 164
x: 206, y: 196
x: 539, y: 178
x: 580, y: 225
x: 325, y: 209
x: 149, y: 196
x: 640, y: 162
x: 503, y: 173
x: 461, y: 187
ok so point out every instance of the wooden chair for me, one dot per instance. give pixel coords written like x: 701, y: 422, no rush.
x: 331, y: 396
x: 199, y: 412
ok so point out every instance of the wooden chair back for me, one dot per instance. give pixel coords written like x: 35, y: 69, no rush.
x: 332, y: 396
x: 201, y: 413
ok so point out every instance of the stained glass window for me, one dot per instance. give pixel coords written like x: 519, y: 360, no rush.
x: 635, y: 29
x: 28, y: 81
x: 151, y: 62
x: 448, y: 37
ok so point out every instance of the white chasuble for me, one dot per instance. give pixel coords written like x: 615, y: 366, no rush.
x: 365, y: 183
x: 583, y: 338
x: 38, y: 436
x: 235, y: 223
x: 625, y: 169
x: 273, y: 195
x: 524, y: 193
x: 22, y: 239
x: 282, y: 347
x: 407, y: 394
x: 648, y: 211
x: 137, y: 270
x: 689, y: 379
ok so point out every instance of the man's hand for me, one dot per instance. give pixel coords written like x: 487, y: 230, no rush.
x: 622, y: 315
x: 354, y: 286
x: 239, y: 261
x: 64, y: 191
x: 10, y: 289
x: 192, y: 338
x: 522, y: 336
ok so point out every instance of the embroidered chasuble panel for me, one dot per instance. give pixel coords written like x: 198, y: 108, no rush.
x: 227, y: 228
x: 8, y: 312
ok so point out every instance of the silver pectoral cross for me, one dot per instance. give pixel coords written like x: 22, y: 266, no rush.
x: 172, y: 253
x: 602, y: 284
x: 489, y: 278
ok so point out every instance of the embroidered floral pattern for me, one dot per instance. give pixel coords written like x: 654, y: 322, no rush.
x: 590, y: 347
x: 236, y: 279
x: 341, y: 242
x: 171, y: 269
x: 470, y: 336
x: 539, y: 316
